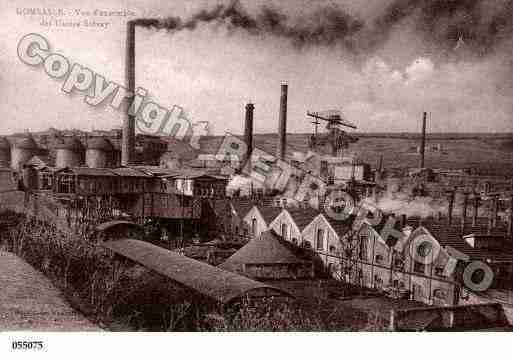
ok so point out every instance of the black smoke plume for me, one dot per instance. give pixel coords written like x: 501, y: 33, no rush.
x: 484, y: 25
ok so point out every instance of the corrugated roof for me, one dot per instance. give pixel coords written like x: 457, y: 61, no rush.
x: 451, y: 235
x: 341, y: 227
x: 268, y: 249
x: 215, y: 283
x: 129, y: 172
x: 302, y: 216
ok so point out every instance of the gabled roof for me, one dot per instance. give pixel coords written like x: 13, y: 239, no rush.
x: 269, y: 213
x: 241, y: 207
x: 302, y: 216
x: 268, y: 249
x: 41, y: 161
x: 339, y: 226
x: 451, y: 235
x: 215, y: 283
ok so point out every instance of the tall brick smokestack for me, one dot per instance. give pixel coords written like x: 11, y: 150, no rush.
x: 423, y: 141
x: 128, y: 141
x: 282, y: 127
x: 248, y: 129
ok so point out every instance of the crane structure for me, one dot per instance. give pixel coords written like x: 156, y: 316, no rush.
x: 336, y: 138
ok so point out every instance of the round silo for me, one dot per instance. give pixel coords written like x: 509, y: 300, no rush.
x: 68, y: 153
x: 23, y: 150
x: 5, y: 152
x: 98, y: 152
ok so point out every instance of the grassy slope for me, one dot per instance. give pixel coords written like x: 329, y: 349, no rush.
x: 29, y: 301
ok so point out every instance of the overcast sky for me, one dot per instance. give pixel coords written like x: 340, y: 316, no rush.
x: 382, y: 74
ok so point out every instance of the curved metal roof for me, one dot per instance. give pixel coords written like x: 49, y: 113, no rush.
x: 220, y: 285
x: 110, y: 224
x: 99, y: 143
x: 27, y: 143
x: 70, y: 143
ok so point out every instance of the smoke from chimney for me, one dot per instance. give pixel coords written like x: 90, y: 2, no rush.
x: 128, y: 141
x: 282, y: 127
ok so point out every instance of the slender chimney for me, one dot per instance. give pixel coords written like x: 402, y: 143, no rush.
x: 476, y: 201
x: 128, y: 141
x: 464, y: 211
x: 495, y: 210
x: 510, y: 217
x: 248, y: 129
x: 282, y: 127
x: 451, y: 206
x: 423, y: 140
x: 491, y: 216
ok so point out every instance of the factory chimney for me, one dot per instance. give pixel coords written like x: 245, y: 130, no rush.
x: 128, y: 141
x: 451, y: 195
x: 248, y: 130
x: 510, y: 217
x: 282, y: 127
x: 464, y: 212
x: 475, y: 213
x: 423, y: 140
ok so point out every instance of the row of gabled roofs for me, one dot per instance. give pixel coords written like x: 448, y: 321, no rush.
x: 447, y: 234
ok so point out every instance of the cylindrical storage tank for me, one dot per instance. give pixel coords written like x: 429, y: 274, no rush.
x: 30, y: 179
x: 23, y: 150
x: 98, y: 152
x: 68, y: 153
x: 5, y: 152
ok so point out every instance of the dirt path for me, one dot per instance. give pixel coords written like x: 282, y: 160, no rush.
x: 29, y: 301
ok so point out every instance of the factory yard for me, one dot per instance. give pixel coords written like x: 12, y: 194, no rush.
x: 29, y: 301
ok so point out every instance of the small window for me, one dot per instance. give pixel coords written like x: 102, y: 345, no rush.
x: 320, y: 240
x: 439, y: 271
x: 295, y: 241
x: 307, y: 245
x: 254, y: 227
x: 284, y: 231
x: 363, y: 237
x: 439, y: 294
x: 419, y: 267
x: 333, y: 249
x: 379, y: 258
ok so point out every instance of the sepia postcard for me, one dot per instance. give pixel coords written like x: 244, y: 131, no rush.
x: 236, y: 166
